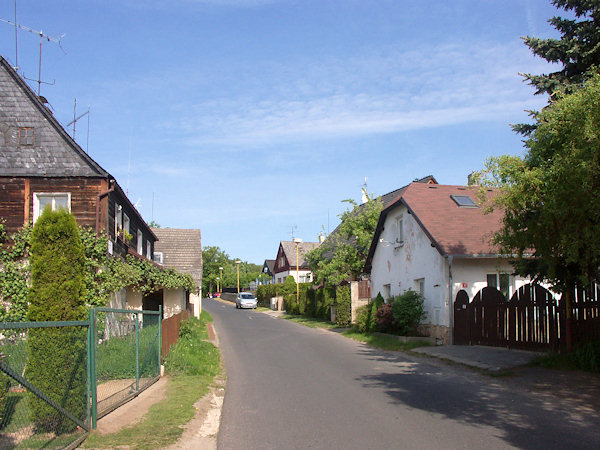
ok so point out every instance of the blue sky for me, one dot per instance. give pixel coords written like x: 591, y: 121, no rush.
x: 245, y: 118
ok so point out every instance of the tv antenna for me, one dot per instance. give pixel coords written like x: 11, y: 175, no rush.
x: 74, y: 123
x: 294, y: 228
x: 42, y: 36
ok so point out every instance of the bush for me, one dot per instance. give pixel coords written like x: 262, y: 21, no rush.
x: 408, y: 311
x: 57, y: 356
x: 384, y: 318
x: 4, y: 385
x: 190, y: 355
x: 343, y: 313
x: 587, y: 356
x: 377, y: 302
x: 265, y: 292
x: 324, y: 298
x: 362, y: 319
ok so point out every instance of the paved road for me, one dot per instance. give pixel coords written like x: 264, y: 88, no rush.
x: 289, y: 386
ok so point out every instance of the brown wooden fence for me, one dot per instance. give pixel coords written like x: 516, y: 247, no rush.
x: 170, y: 331
x: 364, y: 289
x: 532, y: 319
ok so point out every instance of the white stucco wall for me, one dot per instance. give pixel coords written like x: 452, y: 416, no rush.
x: 173, y: 301
x: 301, y: 273
x: 401, y: 266
x: 470, y: 274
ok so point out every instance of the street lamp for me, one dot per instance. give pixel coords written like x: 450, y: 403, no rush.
x: 297, y: 241
x: 238, y: 274
x: 218, y: 284
x: 221, y: 276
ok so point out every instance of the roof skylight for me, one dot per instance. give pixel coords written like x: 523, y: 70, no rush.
x: 464, y: 201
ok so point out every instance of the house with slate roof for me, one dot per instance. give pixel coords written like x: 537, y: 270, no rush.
x: 181, y: 249
x: 435, y: 239
x: 288, y: 263
x: 41, y: 165
x: 267, y: 269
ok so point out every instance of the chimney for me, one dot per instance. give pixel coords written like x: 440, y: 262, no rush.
x: 473, y: 179
x: 321, y: 238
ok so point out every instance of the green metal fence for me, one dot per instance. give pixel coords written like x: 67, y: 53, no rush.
x: 44, y: 384
x: 126, y: 356
x: 57, y: 378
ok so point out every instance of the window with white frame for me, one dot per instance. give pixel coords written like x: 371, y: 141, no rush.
x: 118, y: 219
x: 420, y: 286
x: 400, y: 230
x: 53, y: 200
x: 148, y: 250
x: 126, y: 223
x: 500, y: 281
x: 158, y: 257
x: 140, y: 242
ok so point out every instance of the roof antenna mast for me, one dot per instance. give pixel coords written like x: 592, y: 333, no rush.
x: 294, y: 228
x: 76, y: 118
x: 42, y: 36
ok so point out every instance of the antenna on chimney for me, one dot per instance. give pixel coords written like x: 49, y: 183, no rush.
x: 42, y: 36
x: 294, y: 228
x: 365, y: 194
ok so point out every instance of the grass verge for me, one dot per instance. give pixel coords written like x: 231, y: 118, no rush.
x: 383, y: 342
x: 192, y: 365
x: 309, y: 321
x: 584, y: 357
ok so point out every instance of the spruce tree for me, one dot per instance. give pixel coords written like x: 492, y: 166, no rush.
x: 577, y: 50
x: 57, y: 356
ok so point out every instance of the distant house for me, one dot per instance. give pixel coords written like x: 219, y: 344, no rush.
x: 267, y: 269
x: 181, y: 249
x: 435, y: 240
x: 288, y: 262
x: 41, y: 165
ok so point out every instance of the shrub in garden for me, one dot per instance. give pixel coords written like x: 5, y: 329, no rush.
x: 343, y: 313
x: 289, y: 296
x: 57, y: 356
x: 377, y: 302
x: 408, y: 311
x: 384, y: 318
x: 362, y: 318
x: 324, y: 298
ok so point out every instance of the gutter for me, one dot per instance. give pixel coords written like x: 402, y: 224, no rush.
x: 100, y: 196
x: 450, y: 300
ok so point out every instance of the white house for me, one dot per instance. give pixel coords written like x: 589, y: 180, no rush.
x: 435, y: 239
x: 291, y: 261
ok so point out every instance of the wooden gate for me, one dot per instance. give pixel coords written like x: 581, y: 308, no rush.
x: 462, y: 330
x: 532, y: 319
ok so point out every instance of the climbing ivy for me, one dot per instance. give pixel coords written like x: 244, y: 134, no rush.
x: 104, y: 274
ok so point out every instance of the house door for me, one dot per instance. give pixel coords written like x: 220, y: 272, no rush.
x: 152, y: 301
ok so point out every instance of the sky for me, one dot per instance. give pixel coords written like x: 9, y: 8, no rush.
x: 253, y: 119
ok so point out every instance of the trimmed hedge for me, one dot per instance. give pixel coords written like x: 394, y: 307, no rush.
x: 57, y: 356
x: 324, y: 299
x: 343, y: 313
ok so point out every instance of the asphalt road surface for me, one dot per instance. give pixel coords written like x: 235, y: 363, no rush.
x: 289, y: 386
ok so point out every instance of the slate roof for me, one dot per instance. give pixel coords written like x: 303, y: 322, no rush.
x: 181, y: 249
x: 54, y: 153
x: 289, y: 249
x: 453, y: 230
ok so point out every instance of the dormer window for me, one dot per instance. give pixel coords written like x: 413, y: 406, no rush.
x: 26, y: 136
x: 464, y: 201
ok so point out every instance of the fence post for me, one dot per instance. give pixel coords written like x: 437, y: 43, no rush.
x: 159, y: 337
x: 93, y: 380
x: 137, y: 351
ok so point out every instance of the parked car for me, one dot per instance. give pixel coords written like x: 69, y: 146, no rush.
x: 246, y: 300
x: 217, y: 294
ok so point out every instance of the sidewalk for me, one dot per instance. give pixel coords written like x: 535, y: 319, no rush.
x: 481, y: 357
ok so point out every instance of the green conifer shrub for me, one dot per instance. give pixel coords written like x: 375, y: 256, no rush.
x: 343, y: 313
x: 56, y: 362
x: 375, y: 304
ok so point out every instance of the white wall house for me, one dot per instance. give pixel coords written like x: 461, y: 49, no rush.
x: 291, y: 261
x: 435, y: 240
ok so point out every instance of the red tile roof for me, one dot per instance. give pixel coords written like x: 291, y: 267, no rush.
x: 452, y: 229
x: 455, y: 230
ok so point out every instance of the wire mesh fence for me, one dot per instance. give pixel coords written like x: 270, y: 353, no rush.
x: 126, y: 353
x: 43, y: 384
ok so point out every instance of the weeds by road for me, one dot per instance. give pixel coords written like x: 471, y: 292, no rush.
x: 383, y: 342
x: 309, y: 321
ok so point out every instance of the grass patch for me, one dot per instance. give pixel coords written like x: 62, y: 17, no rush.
x: 310, y: 321
x: 383, y: 342
x: 584, y: 357
x: 192, y: 365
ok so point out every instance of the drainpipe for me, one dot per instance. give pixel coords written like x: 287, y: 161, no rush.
x: 450, y: 300
x: 100, y: 196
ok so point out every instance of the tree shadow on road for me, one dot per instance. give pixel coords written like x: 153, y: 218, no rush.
x: 523, y: 419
